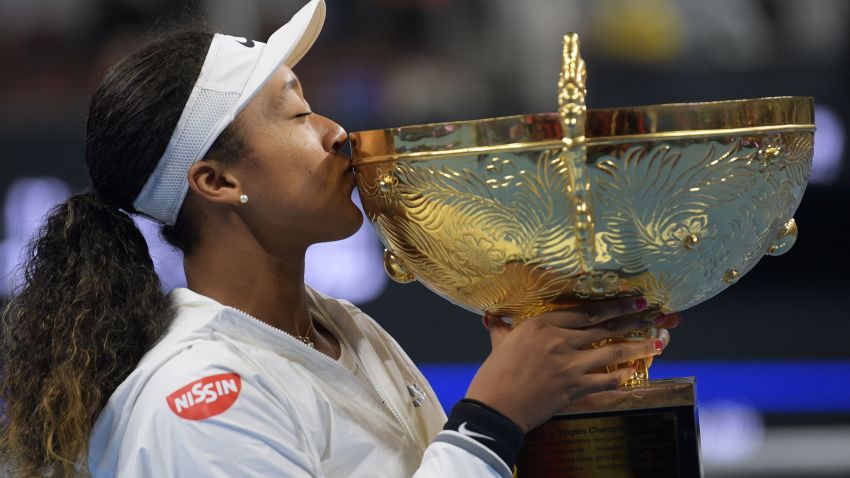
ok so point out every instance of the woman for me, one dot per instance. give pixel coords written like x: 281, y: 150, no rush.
x: 247, y: 372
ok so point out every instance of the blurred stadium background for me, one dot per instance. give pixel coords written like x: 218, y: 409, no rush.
x: 771, y: 354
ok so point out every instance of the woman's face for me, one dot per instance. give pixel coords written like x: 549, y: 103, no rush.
x: 299, y: 185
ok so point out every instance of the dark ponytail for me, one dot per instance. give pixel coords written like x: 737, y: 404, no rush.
x: 91, y: 307
x: 91, y: 304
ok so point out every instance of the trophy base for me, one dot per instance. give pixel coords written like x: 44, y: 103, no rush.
x: 642, y: 431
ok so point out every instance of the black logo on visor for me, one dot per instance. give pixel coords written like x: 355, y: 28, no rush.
x: 249, y: 43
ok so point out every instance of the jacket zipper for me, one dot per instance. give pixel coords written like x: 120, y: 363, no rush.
x: 383, y: 398
x: 335, y: 364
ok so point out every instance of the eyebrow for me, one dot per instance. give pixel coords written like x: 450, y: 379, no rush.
x: 290, y: 84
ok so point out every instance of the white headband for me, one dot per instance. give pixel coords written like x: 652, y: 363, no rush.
x: 233, y: 72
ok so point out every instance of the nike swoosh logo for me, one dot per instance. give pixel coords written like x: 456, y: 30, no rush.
x: 248, y: 42
x: 465, y: 431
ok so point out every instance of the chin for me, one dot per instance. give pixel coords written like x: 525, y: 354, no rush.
x: 355, y: 222
x: 347, y: 226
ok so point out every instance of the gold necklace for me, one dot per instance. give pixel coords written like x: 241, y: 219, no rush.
x: 305, y: 339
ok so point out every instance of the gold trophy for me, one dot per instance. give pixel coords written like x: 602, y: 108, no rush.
x: 519, y: 215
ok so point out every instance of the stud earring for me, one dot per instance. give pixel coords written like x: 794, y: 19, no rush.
x: 243, y: 198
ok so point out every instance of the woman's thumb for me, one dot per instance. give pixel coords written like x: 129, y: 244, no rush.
x: 498, y: 329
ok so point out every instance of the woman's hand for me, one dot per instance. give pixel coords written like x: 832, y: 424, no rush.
x: 547, y: 362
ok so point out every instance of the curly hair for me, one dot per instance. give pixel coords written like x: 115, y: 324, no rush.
x: 91, y: 304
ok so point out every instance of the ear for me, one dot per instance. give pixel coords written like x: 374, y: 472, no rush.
x: 213, y: 182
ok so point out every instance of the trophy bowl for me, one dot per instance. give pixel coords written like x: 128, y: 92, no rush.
x: 519, y: 215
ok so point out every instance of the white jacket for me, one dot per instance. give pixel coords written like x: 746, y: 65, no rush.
x: 223, y: 394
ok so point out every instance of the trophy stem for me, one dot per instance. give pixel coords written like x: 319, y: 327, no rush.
x: 641, y: 366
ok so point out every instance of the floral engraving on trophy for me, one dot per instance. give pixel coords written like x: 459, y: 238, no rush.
x: 479, y: 255
x: 376, y: 185
x: 661, y: 203
x: 598, y: 284
x: 500, y: 230
x: 795, y: 161
x: 657, y: 201
x: 768, y: 156
x: 501, y: 172
x: 786, y: 157
x: 509, y: 245
x: 689, y: 233
x: 385, y: 184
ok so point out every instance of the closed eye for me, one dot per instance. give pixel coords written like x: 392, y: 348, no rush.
x: 302, y: 115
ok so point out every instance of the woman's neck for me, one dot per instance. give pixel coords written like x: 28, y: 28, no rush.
x: 235, y: 270
x: 271, y: 290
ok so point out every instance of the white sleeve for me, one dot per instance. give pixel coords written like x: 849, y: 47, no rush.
x: 453, y: 455
x: 255, y: 436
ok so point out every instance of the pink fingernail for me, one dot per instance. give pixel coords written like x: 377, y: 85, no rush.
x: 673, y: 320
x: 659, y: 346
x: 640, y: 303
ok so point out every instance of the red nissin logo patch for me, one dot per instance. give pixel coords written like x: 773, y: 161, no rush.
x: 206, y: 397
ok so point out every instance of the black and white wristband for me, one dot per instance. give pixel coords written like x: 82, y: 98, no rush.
x: 488, y: 427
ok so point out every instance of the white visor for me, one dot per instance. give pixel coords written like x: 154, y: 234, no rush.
x: 233, y: 72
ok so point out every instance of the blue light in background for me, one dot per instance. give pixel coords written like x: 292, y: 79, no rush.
x: 828, y: 158
x: 768, y: 386
x: 27, y: 202
x: 350, y: 269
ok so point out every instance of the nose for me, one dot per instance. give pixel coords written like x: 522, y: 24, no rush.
x: 335, y: 137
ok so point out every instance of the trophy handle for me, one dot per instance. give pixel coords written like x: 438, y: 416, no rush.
x: 787, y: 237
x: 396, y: 269
x: 572, y: 91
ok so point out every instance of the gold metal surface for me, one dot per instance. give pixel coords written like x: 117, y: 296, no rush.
x: 602, y: 127
x: 787, y: 237
x: 396, y: 269
x: 677, y: 392
x: 523, y: 214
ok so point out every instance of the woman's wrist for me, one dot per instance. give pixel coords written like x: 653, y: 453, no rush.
x: 480, y: 422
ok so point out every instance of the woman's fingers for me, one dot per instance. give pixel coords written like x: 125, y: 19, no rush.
x: 620, y: 326
x: 594, y: 313
x: 621, y: 352
x: 498, y: 329
x: 539, y: 367
x: 670, y: 321
x: 611, y: 329
x: 600, y: 382
x: 664, y: 336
